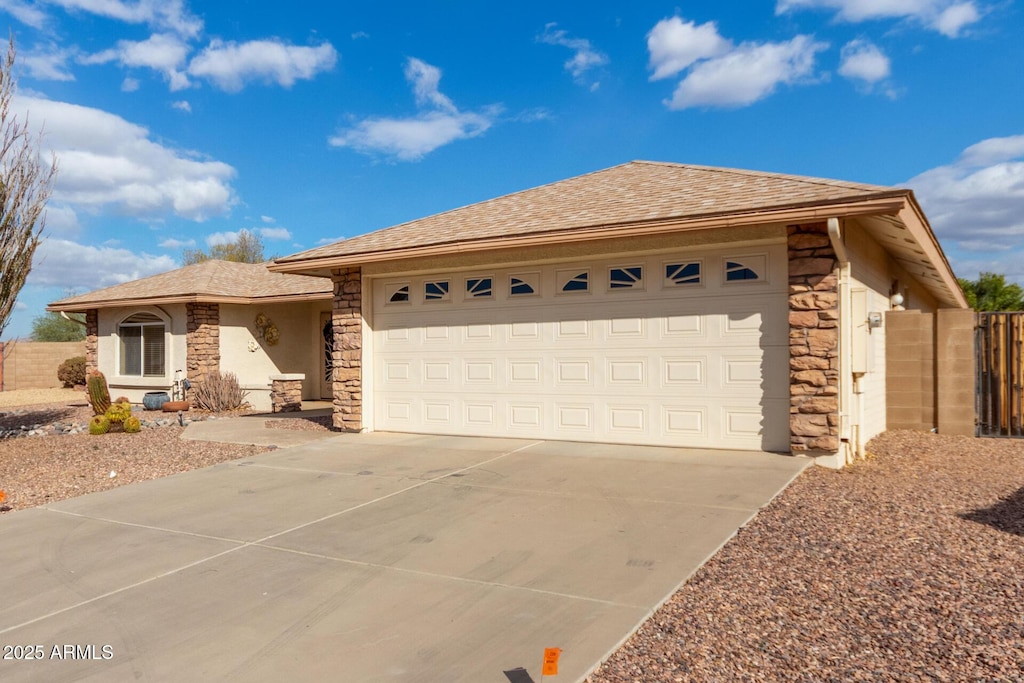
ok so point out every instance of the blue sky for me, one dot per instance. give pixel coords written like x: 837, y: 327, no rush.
x: 178, y: 123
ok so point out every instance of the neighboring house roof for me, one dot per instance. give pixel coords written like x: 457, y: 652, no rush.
x: 643, y: 197
x: 209, y: 281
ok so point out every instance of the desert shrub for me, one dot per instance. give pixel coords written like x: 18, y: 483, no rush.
x: 72, y: 371
x: 132, y: 424
x: 219, y: 392
x: 99, y: 424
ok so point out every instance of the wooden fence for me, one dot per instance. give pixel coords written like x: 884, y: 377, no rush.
x: 999, y: 345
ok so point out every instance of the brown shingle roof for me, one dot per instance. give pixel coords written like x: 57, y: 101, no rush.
x: 635, y: 192
x: 207, y: 281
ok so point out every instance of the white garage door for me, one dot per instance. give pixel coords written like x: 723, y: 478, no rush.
x: 685, y: 349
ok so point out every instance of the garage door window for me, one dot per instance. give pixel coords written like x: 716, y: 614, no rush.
x: 574, y: 282
x: 478, y: 287
x: 436, y: 291
x: 746, y: 270
x: 398, y: 294
x: 524, y: 284
x: 683, y: 273
x: 631, y: 277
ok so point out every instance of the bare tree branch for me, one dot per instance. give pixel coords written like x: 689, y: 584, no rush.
x: 25, y: 186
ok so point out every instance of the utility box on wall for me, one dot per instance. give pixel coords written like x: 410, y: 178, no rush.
x: 862, y: 356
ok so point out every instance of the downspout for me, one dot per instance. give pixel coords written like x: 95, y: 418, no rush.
x: 846, y: 425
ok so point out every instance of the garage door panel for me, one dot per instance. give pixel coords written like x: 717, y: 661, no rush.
x: 695, y: 366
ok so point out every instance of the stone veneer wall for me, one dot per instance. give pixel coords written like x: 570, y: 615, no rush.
x: 285, y: 395
x: 92, y: 336
x: 347, y: 319
x: 202, y: 340
x: 813, y: 341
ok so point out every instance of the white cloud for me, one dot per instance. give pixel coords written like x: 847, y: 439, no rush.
x: 585, y: 57
x: 267, y: 219
x: 328, y: 240
x: 954, y: 18
x: 26, y: 13
x: 948, y: 17
x: 425, y: 79
x: 161, y: 52
x: 61, y: 220
x: 221, y: 238
x: 274, y: 233
x: 163, y: 14
x: 746, y: 74
x: 360, y: 34
x: 182, y: 105
x: 172, y: 243
x: 49, y: 63
x: 412, y: 138
x: 674, y: 45
x: 978, y: 200
x: 109, y: 163
x: 231, y: 66
x: 67, y: 264
x: 130, y: 85
x: 862, y: 60
x: 993, y: 151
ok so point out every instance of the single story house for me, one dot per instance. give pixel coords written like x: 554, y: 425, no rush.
x: 648, y: 303
x: 215, y: 315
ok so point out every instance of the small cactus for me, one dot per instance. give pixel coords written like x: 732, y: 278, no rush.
x: 132, y: 425
x: 122, y: 399
x: 99, y: 395
x: 117, y: 413
x: 99, y: 424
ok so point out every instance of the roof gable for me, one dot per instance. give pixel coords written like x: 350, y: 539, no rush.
x: 635, y: 192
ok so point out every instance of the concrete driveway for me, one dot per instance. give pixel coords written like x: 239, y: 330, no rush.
x: 370, y: 557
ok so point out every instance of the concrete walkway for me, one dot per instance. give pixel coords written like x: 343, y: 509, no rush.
x: 370, y: 557
x: 252, y: 429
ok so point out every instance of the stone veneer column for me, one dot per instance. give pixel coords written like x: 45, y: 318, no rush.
x: 347, y: 319
x: 202, y: 341
x: 813, y: 341
x: 286, y: 393
x: 92, y: 335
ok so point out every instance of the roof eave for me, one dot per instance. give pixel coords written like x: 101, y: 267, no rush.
x: 78, y: 307
x: 890, y: 202
x: 912, y: 216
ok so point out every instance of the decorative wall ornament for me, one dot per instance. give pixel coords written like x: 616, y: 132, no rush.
x: 267, y: 330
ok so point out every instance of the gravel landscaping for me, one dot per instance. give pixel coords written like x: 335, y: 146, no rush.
x: 44, y: 457
x: 908, y: 566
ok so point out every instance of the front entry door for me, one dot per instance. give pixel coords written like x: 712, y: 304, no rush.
x: 326, y: 356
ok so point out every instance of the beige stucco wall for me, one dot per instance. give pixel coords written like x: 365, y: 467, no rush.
x: 874, y: 272
x: 298, y: 323
x: 33, y: 365
x: 108, y: 356
x: 297, y: 351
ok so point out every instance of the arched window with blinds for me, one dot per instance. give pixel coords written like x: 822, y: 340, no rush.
x: 143, y: 350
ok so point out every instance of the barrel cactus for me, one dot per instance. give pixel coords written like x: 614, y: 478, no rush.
x: 132, y: 425
x: 99, y: 424
x: 119, y: 412
x: 99, y: 395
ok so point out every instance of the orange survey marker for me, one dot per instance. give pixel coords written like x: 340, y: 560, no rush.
x: 550, y: 667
